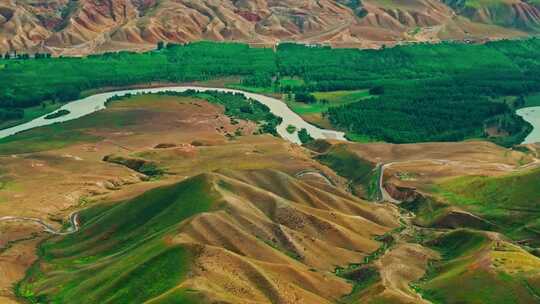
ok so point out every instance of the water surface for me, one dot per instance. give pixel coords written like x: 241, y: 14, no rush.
x: 531, y: 115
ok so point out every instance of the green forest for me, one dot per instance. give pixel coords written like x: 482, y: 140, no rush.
x: 421, y: 92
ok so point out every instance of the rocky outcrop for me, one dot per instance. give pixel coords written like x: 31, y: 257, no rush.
x: 402, y: 194
x: 509, y: 13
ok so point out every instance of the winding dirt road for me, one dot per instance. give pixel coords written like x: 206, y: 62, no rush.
x: 73, y: 219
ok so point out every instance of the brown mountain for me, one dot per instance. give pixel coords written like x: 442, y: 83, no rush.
x: 75, y: 27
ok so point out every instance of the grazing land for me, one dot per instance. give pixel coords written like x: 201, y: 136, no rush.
x: 480, y: 268
x: 511, y: 202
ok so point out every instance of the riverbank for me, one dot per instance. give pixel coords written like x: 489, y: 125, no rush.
x: 93, y: 103
x: 532, y: 116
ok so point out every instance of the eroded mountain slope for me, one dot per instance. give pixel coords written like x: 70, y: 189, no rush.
x: 89, y: 26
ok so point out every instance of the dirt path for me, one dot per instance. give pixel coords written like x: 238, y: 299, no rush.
x: 73, y: 219
x: 384, y: 195
x: 330, y: 32
x: 314, y: 173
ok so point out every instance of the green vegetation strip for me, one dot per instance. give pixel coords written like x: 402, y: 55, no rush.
x: 421, y: 92
x: 362, y: 175
x: 57, y: 114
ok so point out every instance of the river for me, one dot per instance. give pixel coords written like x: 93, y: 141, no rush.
x: 531, y: 115
x: 91, y: 104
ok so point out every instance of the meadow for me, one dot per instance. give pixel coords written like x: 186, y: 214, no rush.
x: 511, y: 202
x: 476, y: 269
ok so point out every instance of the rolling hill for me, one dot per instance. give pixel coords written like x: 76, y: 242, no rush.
x: 511, y: 201
x: 228, y: 236
x: 249, y: 217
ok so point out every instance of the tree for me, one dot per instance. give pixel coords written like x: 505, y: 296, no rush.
x: 378, y: 90
x: 160, y: 45
x: 520, y: 102
x: 305, y: 97
x: 304, y: 136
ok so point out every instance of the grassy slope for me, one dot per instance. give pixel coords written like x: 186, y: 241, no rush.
x: 464, y: 275
x: 121, y: 255
x: 57, y: 136
x: 485, y: 3
x: 358, y: 171
x: 512, y: 202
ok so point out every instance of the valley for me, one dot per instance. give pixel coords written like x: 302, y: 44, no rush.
x: 259, y: 217
x: 435, y: 99
x: 224, y: 173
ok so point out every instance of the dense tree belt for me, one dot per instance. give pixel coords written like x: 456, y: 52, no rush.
x: 424, y: 92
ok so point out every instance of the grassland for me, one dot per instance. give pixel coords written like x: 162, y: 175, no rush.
x: 512, y: 202
x: 315, y: 112
x: 336, y: 98
x: 477, y: 269
x: 291, y: 82
x: 236, y: 106
x: 57, y: 136
x: 333, y: 99
x: 47, y: 138
x: 61, y: 135
x: 478, y: 4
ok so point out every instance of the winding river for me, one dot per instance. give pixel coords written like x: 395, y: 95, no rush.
x: 91, y: 104
x: 531, y: 115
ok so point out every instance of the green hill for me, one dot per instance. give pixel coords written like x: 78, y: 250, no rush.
x: 477, y: 269
x: 120, y: 255
x: 512, y: 202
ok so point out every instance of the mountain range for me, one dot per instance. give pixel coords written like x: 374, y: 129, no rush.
x: 79, y: 27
